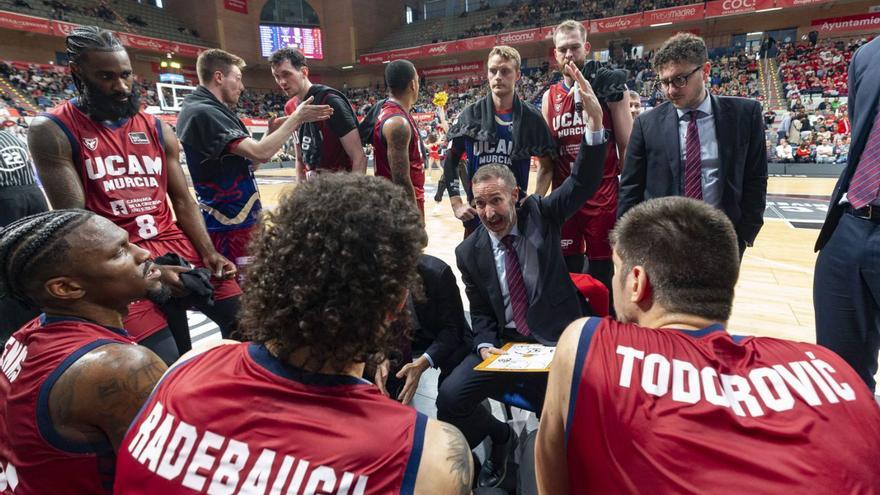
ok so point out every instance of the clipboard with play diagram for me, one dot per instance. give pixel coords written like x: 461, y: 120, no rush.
x: 521, y: 358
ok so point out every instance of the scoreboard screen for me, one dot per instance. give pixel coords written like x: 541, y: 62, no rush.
x: 308, y: 40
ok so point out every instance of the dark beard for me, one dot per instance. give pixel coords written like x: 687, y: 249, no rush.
x: 103, y: 107
x: 159, y: 296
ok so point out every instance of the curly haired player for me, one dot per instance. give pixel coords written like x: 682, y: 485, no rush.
x: 289, y: 408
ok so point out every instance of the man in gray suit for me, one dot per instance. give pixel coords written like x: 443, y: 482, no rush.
x: 698, y: 145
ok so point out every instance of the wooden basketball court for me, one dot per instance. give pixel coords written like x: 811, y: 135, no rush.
x: 774, y: 296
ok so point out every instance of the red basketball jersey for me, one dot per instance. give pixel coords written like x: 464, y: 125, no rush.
x: 567, y: 128
x: 122, y: 169
x: 678, y: 411
x: 34, y: 457
x: 237, y: 420
x: 416, y: 150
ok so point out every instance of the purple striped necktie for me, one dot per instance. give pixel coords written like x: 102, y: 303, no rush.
x: 865, y: 183
x: 519, y: 300
x: 693, y: 165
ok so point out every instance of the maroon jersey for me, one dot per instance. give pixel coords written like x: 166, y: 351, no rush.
x: 567, y: 128
x: 416, y: 149
x: 702, y: 411
x: 125, y: 179
x: 237, y: 420
x: 122, y: 169
x: 34, y: 457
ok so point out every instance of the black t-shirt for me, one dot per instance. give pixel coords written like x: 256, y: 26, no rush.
x: 343, y: 119
x: 320, y: 141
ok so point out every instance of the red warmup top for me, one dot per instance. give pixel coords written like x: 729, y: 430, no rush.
x: 416, y: 151
x: 702, y: 411
x: 567, y: 128
x: 34, y: 457
x: 237, y: 420
x: 122, y: 169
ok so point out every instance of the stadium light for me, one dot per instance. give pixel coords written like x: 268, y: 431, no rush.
x: 661, y: 24
x: 346, y: 67
x: 756, y: 33
x: 769, y: 10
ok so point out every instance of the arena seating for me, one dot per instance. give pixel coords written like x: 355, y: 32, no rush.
x: 35, y: 88
x: 44, y: 88
x: 816, y: 70
x: 121, y: 15
x: 735, y: 76
x: 732, y: 75
x: 461, y: 92
x: 431, y: 30
x: 813, y: 82
x: 261, y: 104
x: 519, y: 15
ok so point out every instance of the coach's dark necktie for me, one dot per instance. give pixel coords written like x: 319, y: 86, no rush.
x: 865, y: 184
x: 693, y: 165
x: 516, y: 286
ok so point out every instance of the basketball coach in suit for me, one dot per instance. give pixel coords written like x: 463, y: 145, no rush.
x: 698, y: 145
x: 846, y: 286
x: 441, y: 336
x: 518, y: 286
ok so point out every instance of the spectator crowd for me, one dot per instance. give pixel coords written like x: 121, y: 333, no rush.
x: 815, y: 128
x: 525, y: 14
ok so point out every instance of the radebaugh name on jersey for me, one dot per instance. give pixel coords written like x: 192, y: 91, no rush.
x: 200, y: 460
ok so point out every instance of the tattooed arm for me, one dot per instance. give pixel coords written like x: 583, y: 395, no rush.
x: 447, y: 464
x: 397, y: 134
x: 53, y: 157
x: 97, y: 397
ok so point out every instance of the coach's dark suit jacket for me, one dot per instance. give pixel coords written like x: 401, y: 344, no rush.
x: 443, y: 327
x: 653, y: 167
x: 556, y: 301
x: 864, y: 92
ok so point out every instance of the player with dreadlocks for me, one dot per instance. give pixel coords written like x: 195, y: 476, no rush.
x: 71, y: 380
x: 100, y: 152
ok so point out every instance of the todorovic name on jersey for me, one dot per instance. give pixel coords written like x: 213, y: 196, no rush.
x: 116, y: 172
x: 764, y: 388
x: 569, y: 124
x: 488, y: 153
x: 205, y: 461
